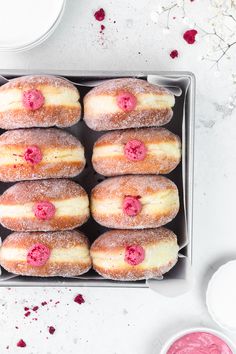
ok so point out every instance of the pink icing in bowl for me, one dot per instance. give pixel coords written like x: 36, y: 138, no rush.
x: 198, y: 341
x: 126, y: 101
x: 32, y: 99
x: 38, y: 255
x: 135, y: 150
x: 44, y: 210
x: 33, y: 155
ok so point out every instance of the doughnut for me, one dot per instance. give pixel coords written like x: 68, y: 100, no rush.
x: 38, y: 101
x: 28, y: 154
x: 47, y: 205
x: 127, y: 103
x: 46, y: 254
x: 134, y: 254
x: 136, y: 151
x: 134, y: 202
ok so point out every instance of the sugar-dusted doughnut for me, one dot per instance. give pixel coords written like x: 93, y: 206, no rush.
x: 136, y: 151
x: 38, y: 101
x: 127, y: 103
x: 27, y: 154
x: 134, y: 202
x: 47, y: 205
x: 45, y: 254
x: 134, y: 254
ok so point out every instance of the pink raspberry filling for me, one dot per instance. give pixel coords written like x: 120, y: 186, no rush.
x: 38, y: 255
x: 33, y: 155
x: 126, y: 101
x: 44, y: 210
x: 132, y: 205
x: 135, y: 150
x: 134, y: 255
x: 33, y: 99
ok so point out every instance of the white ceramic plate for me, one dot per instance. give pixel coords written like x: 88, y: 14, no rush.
x: 221, y: 296
x: 171, y: 341
x: 24, y: 23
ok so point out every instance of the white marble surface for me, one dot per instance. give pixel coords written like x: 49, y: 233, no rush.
x: 122, y: 321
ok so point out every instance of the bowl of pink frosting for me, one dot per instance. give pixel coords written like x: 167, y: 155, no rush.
x: 199, y: 341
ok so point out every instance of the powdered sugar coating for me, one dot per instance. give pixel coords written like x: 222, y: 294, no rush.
x: 153, y: 163
x: 135, y: 86
x: 60, y: 115
x: 31, y: 81
x: 33, y: 191
x: 66, y: 240
x: 144, y: 117
x: 113, y: 243
x: 46, y: 190
x: 131, y: 185
x: 44, y: 137
x: 52, y: 139
x: 116, y: 239
x: 107, y: 198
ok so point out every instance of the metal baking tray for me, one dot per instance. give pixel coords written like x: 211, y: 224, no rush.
x: 177, y: 280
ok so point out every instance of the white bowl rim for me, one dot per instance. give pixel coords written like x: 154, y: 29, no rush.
x: 209, y: 308
x: 39, y: 40
x: 182, y: 333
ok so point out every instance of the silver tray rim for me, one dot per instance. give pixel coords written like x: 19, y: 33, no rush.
x: 103, y: 74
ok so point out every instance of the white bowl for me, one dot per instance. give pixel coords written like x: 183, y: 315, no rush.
x: 27, y: 23
x: 215, y: 289
x: 178, y: 335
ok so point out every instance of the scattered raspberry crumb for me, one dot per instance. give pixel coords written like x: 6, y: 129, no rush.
x: 44, y: 303
x: 26, y: 308
x: 35, y: 308
x: 174, y: 54
x: 21, y: 343
x: 100, y: 15
x: 102, y: 28
x: 189, y: 36
x: 79, y: 299
x: 51, y: 329
x: 57, y: 302
x: 27, y: 313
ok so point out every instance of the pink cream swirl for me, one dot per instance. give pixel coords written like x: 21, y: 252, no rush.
x: 199, y: 343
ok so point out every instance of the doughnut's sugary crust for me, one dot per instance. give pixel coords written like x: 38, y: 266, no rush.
x: 155, y: 162
x: 107, y: 199
x: 51, y: 141
x: 66, y: 240
x: 60, y: 115
x: 55, y: 191
x: 141, y: 117
x: 108, y: 251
